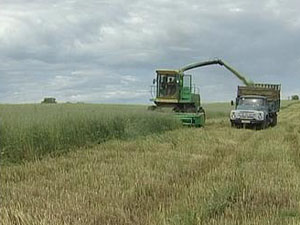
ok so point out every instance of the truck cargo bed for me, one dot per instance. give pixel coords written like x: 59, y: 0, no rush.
x: 270, y: 91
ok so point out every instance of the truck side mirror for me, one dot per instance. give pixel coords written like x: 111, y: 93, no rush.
x: 232, y: 103
x: 154, y: 81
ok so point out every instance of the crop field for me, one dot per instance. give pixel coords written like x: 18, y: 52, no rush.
x: 117, y: 164
x: 29, y: 132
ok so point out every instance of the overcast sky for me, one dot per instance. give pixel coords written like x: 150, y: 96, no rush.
x: 106, y: 51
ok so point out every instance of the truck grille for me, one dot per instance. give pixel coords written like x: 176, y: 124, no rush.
x: 246, y: 115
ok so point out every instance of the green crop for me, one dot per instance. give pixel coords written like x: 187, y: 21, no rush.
x: 29, y: 132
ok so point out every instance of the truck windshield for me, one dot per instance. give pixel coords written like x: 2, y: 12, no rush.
x: 246, y: 103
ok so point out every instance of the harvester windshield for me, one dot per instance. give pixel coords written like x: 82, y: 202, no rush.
x: 167, y: 85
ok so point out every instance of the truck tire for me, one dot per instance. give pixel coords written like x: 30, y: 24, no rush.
x: 263, y: 125
x: 274, y: 121
x: 266, y: 124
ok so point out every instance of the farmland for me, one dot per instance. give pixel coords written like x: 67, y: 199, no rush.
x: 153, y: 172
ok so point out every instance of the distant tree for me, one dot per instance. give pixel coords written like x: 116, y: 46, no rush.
x: 49, y: 101
x: 295, y: 97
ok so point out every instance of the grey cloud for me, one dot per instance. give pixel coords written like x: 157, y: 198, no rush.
x: 107, y: 51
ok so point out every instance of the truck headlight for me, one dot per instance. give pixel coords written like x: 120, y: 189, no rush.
x: 260, y: 116
x: 232, y: 115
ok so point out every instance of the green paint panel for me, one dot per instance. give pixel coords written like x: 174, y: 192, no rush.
x: 191, y: 119
x: 186, y: 94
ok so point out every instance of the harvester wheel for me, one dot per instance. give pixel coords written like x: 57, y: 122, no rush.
x: 201, y: 110
x: 152, y: 107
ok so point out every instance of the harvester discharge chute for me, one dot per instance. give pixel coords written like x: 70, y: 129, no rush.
x: 175, y: 92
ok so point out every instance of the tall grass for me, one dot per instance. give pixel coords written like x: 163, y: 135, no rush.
x: 29, y: 132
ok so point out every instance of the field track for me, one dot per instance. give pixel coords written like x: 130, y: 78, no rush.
x: 215, y: 175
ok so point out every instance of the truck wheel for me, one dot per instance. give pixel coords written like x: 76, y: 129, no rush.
x: 264, y: 125
x: 274, y: 121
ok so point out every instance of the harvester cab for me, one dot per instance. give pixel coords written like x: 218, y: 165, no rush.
x: 174, y: 90
x: 167, y: 85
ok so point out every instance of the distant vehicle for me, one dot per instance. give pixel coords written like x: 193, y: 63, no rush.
x: 49, y: 101
x: 257, y: 106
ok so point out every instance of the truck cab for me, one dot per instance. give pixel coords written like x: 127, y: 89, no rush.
x: 250, y: 111
x: 256, y: 106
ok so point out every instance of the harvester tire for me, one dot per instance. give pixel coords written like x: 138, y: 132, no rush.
x: 152, y: 107
x: 201, y: 110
